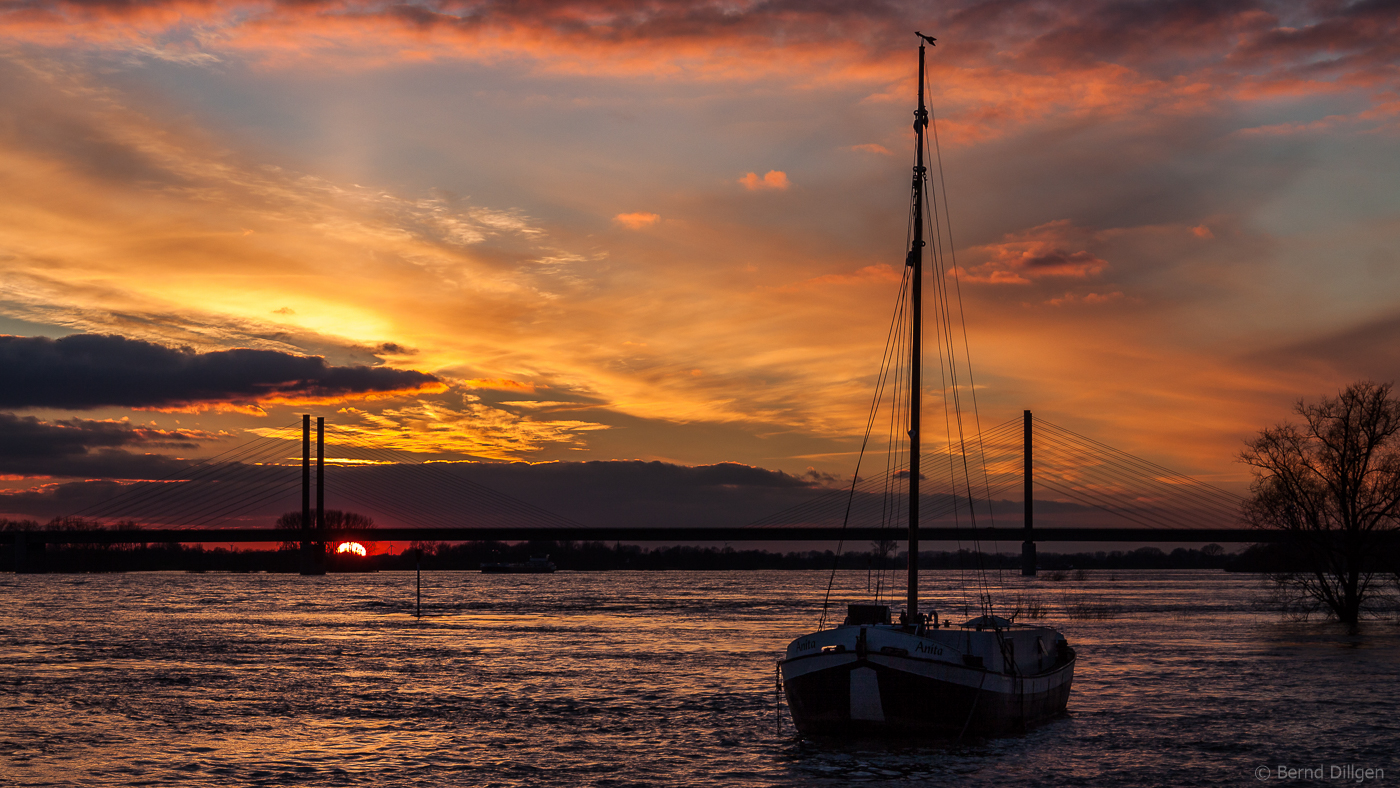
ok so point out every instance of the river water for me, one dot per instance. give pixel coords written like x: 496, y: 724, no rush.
x: 646, y: 678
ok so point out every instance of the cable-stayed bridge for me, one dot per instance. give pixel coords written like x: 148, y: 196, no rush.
x: 1025, y: 480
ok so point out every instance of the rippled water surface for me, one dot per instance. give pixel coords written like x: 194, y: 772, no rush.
x: 631, y: 678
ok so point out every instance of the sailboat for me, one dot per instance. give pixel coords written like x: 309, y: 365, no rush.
x: 917, y: 675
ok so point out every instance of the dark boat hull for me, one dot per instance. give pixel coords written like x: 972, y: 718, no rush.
x: 883, y: 695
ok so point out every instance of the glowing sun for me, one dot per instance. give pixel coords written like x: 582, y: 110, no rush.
x: 352, y: 547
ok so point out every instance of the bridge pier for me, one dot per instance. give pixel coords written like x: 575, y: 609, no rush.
x: 313, y: 559
x: 30, y: 553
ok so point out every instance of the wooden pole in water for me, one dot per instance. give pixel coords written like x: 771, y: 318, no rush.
x: 1028, y: 546
x: 418, y: 566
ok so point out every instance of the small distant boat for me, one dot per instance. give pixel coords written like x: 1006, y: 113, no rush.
x: 917, y: 676
x: 537, y: 565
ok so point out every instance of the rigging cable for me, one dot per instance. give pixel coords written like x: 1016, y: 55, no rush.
x: 869, y: 426
x: 945, y: 326
x: 962, y: 314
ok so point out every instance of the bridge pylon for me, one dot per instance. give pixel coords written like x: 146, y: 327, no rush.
x: 1028, y: 546
x: 313, y: 551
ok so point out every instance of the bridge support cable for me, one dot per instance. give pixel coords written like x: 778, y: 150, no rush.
x: 137, y: 496
x: 418, y: 517
x: 1097, y: 489
x: 248, y: 478
x: 438, y: 487
x: 1146, y: 472
x: 407, y: 503
x: 252, y: 475
x: 871, y: 491
x: 1113, y: 491
x: 241, y: 489
x: 875, y: 487
x: 215, y: 489
x: 407, y: 509
x: 1149, y: 468
x: 435, y: 483
x: 483, y: 499
x: 1124, y: 482
x: 1130, y: 483
x: 226, y: 508
x: 1070, y: 467
x: 1105, y: 505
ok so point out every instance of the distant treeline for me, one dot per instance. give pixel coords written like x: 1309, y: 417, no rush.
x: 136, y: 556
x: 1285, y: 557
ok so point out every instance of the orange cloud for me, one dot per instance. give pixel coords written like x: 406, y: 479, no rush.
x: 870, y: 274
x: 258, y: 407
x: 636, y: 221
x: 1379, y: 117
x: 1044, y: 251
x: 871, y: 147
x: 693, y: 42
x: 1070, y: 299
x: 993, y: 78
x: 500, y: 384
x: 774, y: 179
x: 429, y: 388
x: 475, y: 429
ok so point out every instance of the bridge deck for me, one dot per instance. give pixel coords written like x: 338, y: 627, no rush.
x: 749, y: 534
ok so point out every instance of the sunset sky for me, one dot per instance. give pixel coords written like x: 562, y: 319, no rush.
x: 616, y: 230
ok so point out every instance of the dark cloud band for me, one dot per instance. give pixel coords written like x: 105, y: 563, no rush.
x: 85, y: 371
x: 81, y: 448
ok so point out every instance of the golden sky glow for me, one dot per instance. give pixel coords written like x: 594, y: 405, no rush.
x: 621, y: 230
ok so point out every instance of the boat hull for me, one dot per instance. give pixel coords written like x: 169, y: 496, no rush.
x: 887, y: 695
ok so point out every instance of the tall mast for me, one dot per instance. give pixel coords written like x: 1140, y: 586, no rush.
x: 915, y: 259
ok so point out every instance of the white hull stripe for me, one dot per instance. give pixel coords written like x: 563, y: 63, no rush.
x: 865, y: 696
x: 998, y: 683
x: 801, y: 667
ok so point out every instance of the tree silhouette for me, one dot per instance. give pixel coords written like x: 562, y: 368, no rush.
x: 334, y: 518
x: 1333, y: 482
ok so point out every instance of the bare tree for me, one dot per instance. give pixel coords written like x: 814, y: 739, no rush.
x: 334, y: 518
x: 1334, y: 483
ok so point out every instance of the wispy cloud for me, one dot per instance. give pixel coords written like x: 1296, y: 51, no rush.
x: 473, y: 428
x: 1071, y: 299
x: 872, y: 147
